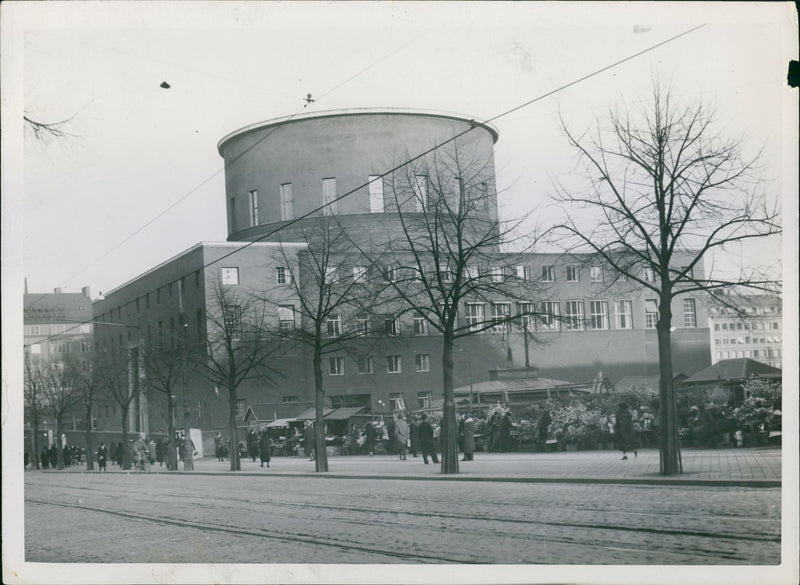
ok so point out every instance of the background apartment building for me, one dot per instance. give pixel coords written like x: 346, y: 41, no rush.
x: 754, y: 330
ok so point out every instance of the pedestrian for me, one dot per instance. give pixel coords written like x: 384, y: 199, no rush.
x: 739, y: 437
x: 469, y: 438
x: 45, y: 456
x: 543, y: 425
x: 119, y: 455
x: 54, y: 456
x: 253, y: 445
x: 102, y: 454
x: 369, y: 440
x: 390, y: 436
x: 413, y: 433
x: 151, y: 451
x: 218, y: 446
x: 309, y: 440
x: 401, y: 434
x: 264, y: 448
x: 160, y: 452
x: 504, y: 434
x: 426, y: 443
x: 624, y: 431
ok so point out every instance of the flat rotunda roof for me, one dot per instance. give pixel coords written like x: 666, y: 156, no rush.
x: 359, y: 112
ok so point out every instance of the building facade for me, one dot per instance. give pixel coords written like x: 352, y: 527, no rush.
x: 753, y: 331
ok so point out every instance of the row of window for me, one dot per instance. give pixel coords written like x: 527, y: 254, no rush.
x: 755, y: 353
x: 746, y: 340
x: 145, y: 300
x: 61, y: 347
x: 745, y: 326
x: 366, y: 364
x: 56, y: 329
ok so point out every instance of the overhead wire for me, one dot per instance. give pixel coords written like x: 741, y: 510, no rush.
x: 453, y: 138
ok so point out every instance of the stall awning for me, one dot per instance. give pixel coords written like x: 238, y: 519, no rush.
x: 311, y: 413
x: 281, y: 422
x: 344, y: 413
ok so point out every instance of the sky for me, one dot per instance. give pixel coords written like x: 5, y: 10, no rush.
x: 138, y: 155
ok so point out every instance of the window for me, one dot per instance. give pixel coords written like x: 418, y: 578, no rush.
x: 287, y: 202
x: 775, y: 325
x: 196, y: 279
x: 329, y: 196
x: 523, y: 273
x: 147, y: 301
x: 526, y: 321
x: 62, y: 347
x: 394, y: 364
x: 573, y: 312
x: 650, y: 313
x: 240, y: 407
x: 253, y: 197
x: 424, y: 399
x: 624, y: 311
x: 375, y: 194
x: 359, y: 274
x: 233, y: 213
x: 446, y: 275
x: 755, y: 353
x: 391, y: 325
x: 423, y: 362
x: 285, y: 318
x: 420, y: 325
x: 457, y: 192
x: 230, y: 276
x: 550, y: 313
x: 336, y: 366
x: 549, y: 273
x: 648, y: 274
x: 128, y: 309
x: 363, y: 325
x: 35, y: 329
x: 397, y: 401
x: 36, y: 349
x: 500, y: 317
x: 391, y: 273
x: 365, y: 364
x: 596, y: 274
x: 475, y: 316
x: 716, y: 326
x: 598, y: 314
x: 331, y: 274
x: 138, y: 306
x: 725, y: 326
x: 421, y: 192
x: 232, y: 319
x: 333, y: 325
x: 573, y: 273
x: 497, y: 274
x: 291, y: 398
x: 689, y: 315
x: 160, y: 336
x: 281, y: 275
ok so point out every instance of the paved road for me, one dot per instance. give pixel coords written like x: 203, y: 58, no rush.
x: 159, y: 518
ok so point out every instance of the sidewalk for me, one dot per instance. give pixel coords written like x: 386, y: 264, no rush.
x: 757, y: 467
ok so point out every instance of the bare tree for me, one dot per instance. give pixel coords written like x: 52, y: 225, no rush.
x: 111, y: 372
x: 238, y: 344
x: 60, y: 396
x: 44, y: 131
x: 447, y: 257
x: 666, y: 191
x: 81, y: 374
x: 334, y: 306
x: 34, y: 400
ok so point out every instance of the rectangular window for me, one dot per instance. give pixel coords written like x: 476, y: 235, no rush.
x: 35, y: 330
x: 160, y: 336
x: 755, y: 353
x: 397, y: 401
x: 147, y: 301
x: 475, y: 316
x: 230, y: 276
x: 281, y: 275
x: 391, y: 325
x: 549, y: 273
x: 497, y: 274
x: 240, y: 407
x: 333, y: 325
x: 394, y: 364
x: 336, y: 366
x: 526, y: 321
x: 650, y: 313
x: 649, y: 274
x: 421, y: 192
x: 689, y: 315
x: 233, y: 213
x: 420, y: 325
x: 285, y: 318
x: 331, y: 274
x: 523, y: 273
x: 329, y: 196
x: 551, y: 310
x: 232, y: 321
x: 85, y: 347
x: 391, y: 274
x: 573, y: 273
x: 375, y: 194
x: 363, y: 325
x: 624, y: 312
x: 501, y: 312
x: 253, y: 197
x: 716, y: 326
x: 446, y: 275
x: 457, y: 192
x: 196, y: 279
x: 365, y: 364
x: 424, y: 399
x: 423, y: 362
x: 292, y: 398
x: 573, y: 313
x: 287, y: 202
x: 360, y: 274
x: 596, y: 274
x: 598, y: 314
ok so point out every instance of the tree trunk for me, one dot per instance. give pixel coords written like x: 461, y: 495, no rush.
x: 188, y: 452
x: 236, y: 464
x: 171, y: 454
x: 59, y: 446
x: 670, y: 450
x: 89, y: 448
x: 35, y: 460
x: 126, y: 448
x: 449, y: 429
x: 321, y: 462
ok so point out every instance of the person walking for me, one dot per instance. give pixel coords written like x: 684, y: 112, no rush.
x: 369, y: 434
x: 413, y: 433
x: 118, y: 456
x: 309, y: 440
x: 264, y: 448
x: 102, y: 454
x: 160, y: 452
x: 253, y: 445
x: 426, y: 442
x: 45, y: 457
x: 625, y: 431
x: 469, y: 438
x: 401, y: 434
x: 504, y: 435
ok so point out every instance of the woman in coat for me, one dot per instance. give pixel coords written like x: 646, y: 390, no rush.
x: 626, y: 435
x: 264, y: 449
x: 401, y: 434
x: 469, y: 438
